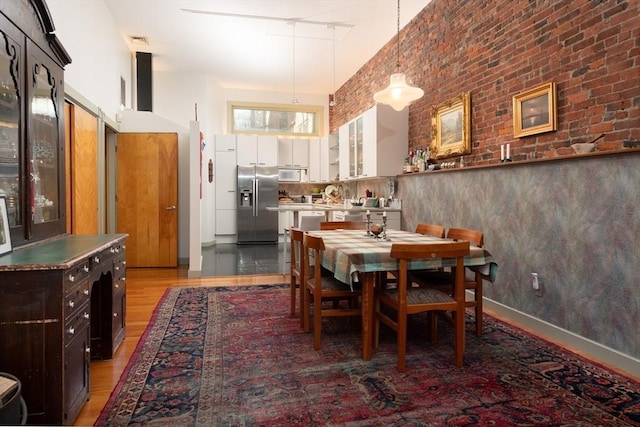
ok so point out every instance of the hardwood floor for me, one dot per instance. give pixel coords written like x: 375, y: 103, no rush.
x: 145, y: 287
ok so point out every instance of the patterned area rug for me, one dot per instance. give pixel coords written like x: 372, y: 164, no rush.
x: 234, y: 357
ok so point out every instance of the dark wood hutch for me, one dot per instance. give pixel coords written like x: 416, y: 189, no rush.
x: 62, y: 296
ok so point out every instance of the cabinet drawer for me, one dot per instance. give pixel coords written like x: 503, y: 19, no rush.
x: 75, y: 296
x: 76, y: 273
x: 75, y: 324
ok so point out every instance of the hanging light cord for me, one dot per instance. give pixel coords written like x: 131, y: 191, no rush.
x: 398, y: 58
x: 333, y: 37
x: 294, y: 63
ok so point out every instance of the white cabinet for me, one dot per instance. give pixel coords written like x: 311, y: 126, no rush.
x: 257, y: 150
x: 376, y: 143
x: 393, y: 219
x: 225, y: 179
x: 329, y: 159
x: 284, y: 221
x: 293, y: 153
x: 315, y: 160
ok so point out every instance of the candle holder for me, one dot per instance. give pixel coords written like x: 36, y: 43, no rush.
x: 368, y: 222
x: 384, y: 227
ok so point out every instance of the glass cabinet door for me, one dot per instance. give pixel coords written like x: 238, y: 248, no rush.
x: 352, y: 149
x: 359, y: 146
x: 11, y: 127
x: 43, y: 150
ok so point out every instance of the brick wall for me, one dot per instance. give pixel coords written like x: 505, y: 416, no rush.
x: 496, y: 49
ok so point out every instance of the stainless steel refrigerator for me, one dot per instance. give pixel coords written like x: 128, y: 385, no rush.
x: 257, y: 189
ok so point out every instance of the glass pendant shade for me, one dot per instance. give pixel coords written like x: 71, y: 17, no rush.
x: 398, y: 94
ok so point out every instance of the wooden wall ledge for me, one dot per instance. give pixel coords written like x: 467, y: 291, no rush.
x: 610, y: 153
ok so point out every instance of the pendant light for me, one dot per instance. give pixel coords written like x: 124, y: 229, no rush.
x: 398, y: 94
x: 332, y: 97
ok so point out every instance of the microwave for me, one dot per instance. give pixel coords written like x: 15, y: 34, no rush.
x: 292, y: 175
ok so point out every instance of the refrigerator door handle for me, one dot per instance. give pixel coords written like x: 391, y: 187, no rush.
x: 255, y: 197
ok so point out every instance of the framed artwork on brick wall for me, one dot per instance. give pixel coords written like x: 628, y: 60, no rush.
x: 451, y: 127
x: 535, y: 111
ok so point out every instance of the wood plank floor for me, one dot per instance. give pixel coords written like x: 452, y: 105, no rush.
x: 145, y: 287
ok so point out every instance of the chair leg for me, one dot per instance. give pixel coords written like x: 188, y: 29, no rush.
x: 302, y: 304
x: 433, y: 327
x: 478, y: 298
x: 292, y: 309
x: 307, y: 310
x: 459, y: 336
x: 317, y: 320
x: 402, y: 339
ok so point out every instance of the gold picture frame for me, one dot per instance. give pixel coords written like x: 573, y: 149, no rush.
x: 535, y: 111
x: 451, y: 127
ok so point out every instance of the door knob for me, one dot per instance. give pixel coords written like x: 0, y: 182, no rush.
x: 171, y: 208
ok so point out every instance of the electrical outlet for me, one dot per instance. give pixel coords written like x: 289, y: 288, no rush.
x: 535, y: 284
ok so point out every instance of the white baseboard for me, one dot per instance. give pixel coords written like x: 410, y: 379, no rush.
x: 573, y: 342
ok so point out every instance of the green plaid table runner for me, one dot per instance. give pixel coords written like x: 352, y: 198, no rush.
x: 348, y: 252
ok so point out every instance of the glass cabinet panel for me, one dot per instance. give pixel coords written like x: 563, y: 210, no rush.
x: 10, y: 127
x: 43, y: 152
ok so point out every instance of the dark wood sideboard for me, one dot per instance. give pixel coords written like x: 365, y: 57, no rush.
x: 62, y: 303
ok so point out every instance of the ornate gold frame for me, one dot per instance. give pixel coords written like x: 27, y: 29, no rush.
x: 535, y: 111
x: 451, y: 127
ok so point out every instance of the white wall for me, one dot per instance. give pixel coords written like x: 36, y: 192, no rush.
x: 100, y: 57
x: 98, y: 52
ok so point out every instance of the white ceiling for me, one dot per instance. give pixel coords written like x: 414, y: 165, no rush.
x: 256, y: 50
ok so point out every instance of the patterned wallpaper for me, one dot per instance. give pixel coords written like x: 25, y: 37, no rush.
x: 574, y: 222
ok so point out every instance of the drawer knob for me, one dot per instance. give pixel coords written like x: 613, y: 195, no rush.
x: 117, y: 268
x: 88, y: 350
x: 72, y: 278
x: 115, y: 314
x: 85, y: 315
x: 117, y: 286
x: 123, y: 279
x: 86, y: 291
x: 71, y: 330
x: 71, y: 303
x: 86, y: 268
x: 96, y: 259
x: 112, y: 250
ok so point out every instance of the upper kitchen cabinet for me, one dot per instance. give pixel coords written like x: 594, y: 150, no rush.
x: 257, y: 150
x: 293, y: 153
x: 324, y: 159
x: 32, y: 172
x: 374, y: 144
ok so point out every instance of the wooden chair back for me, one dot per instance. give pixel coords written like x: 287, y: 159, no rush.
x: 318, y: 288
x: 473, y: 236
x: 430, y: 230
x: 297, y: 268
x: 342, y: 225
x: 423, y: 299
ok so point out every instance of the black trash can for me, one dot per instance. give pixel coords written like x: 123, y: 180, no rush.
x: 13, y: 409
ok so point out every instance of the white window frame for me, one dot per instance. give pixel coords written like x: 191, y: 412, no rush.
x: 317, y: 111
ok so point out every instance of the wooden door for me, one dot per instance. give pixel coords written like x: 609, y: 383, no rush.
x: 81, y: 135
x: 147, y: 197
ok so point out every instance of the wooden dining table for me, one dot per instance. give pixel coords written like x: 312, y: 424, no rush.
x: 355, y: 257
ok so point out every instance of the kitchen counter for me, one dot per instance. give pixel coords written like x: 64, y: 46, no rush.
x: 322, y: 207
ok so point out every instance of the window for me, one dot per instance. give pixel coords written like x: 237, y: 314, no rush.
x: 275, y: 119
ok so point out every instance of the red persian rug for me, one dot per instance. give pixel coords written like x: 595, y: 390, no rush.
x: 234, y: 357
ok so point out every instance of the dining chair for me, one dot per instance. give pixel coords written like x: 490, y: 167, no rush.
x: 405, y: 300
x: 473, y: 280
x: 321, y: 287
x: 310, y: 222
x: 296, y: 269
x: 430, y: 230
x: 342, y: 225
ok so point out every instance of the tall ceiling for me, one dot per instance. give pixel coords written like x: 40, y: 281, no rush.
x: 271, y: 45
